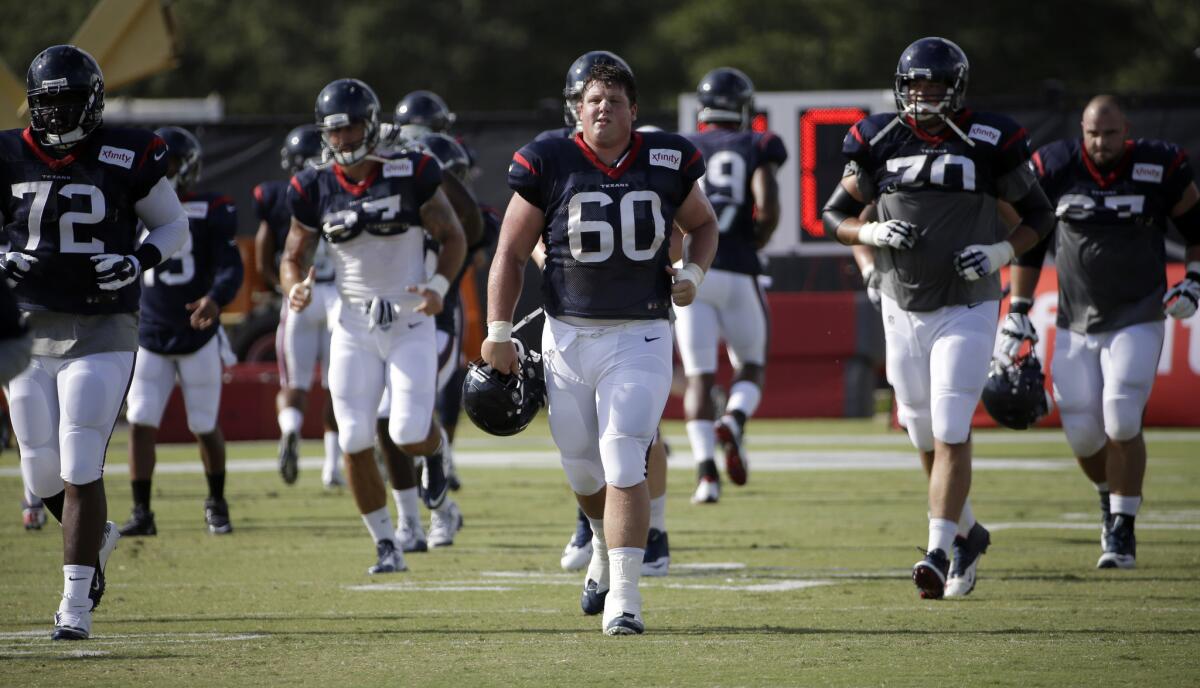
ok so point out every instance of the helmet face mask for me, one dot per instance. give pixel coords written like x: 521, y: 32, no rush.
x: 341, y: 104
x: 931, y: 61
x: 302, y: 148
x: 183, y: 157
x: 505, y: 405
x: 1015, y: 393
x: 65, y: 90
x: 577, y: 76
x: 726, y: 95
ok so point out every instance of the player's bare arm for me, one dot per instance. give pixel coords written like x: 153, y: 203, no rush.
x: 466, y: 208
x: 519, y: 234
x: 440, y: 220
x: 698, y: 223
x: 264, y: 255
x: 765, y: 188
x: 297, y: 253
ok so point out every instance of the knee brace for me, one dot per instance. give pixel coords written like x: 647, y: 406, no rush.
x: 585, y: 474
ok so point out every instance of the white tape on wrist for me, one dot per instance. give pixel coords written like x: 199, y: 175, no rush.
x: 691, y: 272
x: 866, y: 233
x: 438, y: 284
x: 500, y: 331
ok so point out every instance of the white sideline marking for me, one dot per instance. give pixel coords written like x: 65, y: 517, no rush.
x: 1072, y: 525
x: 422, y: 587
x: 776, y: 586
x: 713, y: 566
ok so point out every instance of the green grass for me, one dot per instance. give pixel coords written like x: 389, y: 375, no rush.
x: 281, y: 601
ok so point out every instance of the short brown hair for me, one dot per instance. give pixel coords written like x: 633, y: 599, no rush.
x: 612, y: 75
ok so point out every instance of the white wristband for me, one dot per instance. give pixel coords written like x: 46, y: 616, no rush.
x: 866, y: 233
x: 867, y: 271
x: 438, y: 284
x: 691, y: 272
x: 500, y: 331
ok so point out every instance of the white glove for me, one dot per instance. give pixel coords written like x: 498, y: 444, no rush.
x: 896, y: 234
x: 871, y: 280
x: 980, y: 260
x: 16, y: 265
x: 1181, y: 299
x: 1017, y: 329
x: 114, y: 271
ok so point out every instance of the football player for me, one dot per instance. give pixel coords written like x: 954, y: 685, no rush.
x: 302, y: 339
x: 1113, y: 196
x: 422, y: 112
x: 78, y: 191
x: 935, y: 171
x: 374, y: 210
x: 180, y: 337
x: 604, y: 201
x: 578, y: 551
x: 15, y: 347
x: 740, y: 184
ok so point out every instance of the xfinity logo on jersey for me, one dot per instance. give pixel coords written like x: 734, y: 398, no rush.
x: 121, y: 157
x: 398, y: 168
x: 1145, y: 172
x: 984, y: 133
x: 665, y: 157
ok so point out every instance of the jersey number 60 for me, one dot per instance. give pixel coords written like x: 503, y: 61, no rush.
x: 577, y: 227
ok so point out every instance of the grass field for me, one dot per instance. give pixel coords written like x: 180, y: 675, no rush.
x: 799, y: 578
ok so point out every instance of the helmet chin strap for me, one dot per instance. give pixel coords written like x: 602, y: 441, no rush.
x: 64, y: 140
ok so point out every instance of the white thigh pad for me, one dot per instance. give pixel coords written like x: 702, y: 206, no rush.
x: 153, y: 380
x: 200, y: 378
x: 91, y: 389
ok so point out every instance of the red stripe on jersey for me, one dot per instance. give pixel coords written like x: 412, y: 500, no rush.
x: 1175, y: 164
x: 858, y: 134
x: 520, y: 160
x: 155, y: 144
x: 1037, y: 162
x: 1107, y: 180
x: 51, y: 161
x: 697, y: 156
x: 220, y: 200
x: 258, y: 193
x: 611, y: 172
x: 424, y: 161
x: 1020, y: 134
x: 299, y: 189
x: 356, y: 188
x: 766, y: 138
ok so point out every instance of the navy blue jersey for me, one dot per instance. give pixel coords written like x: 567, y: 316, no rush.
x: 607, y: 228
x: 446, y: 321
x: 209, y: 263
x: 1110, y: 252
x: 271, y: 206
x: 352, y: 215
x: 731, y: 157
x: 559, y: 133
x: 948, y: 187
x: 10, y: 315
x: 65, y: 210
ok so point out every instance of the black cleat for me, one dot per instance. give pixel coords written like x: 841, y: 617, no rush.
x: 592, y: 599
x: 1105, y: 517
x: 1120, y: 544
x: 658, y: 554
x: 216, y: 515
x: 140, y: 523
x: 930, y: 574
x: 967, y: 551
x: 289, y: 457
x: 433, y: 486
x: 72, y: 626
x: 108, y: 543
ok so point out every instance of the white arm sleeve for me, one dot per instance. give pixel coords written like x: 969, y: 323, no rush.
x: 164, y: 217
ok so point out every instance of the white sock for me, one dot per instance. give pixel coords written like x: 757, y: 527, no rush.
x: 333, y: 455
x: 598, y: 540
x: 31, y: 499
x: 1101, y: 487
x: 379, y: 522
x: 290, y: 420
x: 1123, y: 504
x: 941, y: 534
x: 407, y: 504
x: 703, y: 440
x: 967, y: 519
x: 744, y: 396
x: 77, y: 582
x: 625, y: 570
x: 597, y: 569
x: 658, y: 513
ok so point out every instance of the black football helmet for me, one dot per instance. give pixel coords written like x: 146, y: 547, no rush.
x: 421, y: 112
x: 577, y: 76
x: 301, y: 148
x: 65, y: 90
x: 1015, y: 394
x: 932, y: 59
x: 448, y: 152
x: 726, y: 95
x: 342, y: 103
x: 505, y: 404
x: 183, y: 155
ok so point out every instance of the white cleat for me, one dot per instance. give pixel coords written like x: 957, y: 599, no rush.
x: 444, y: 522
x: 391, y: 560
x: 72, y: 625
x: 708, y: 491
x: 623, y: 616
x: 411, y: 535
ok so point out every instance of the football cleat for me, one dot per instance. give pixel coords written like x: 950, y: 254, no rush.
x: 729, y: 434
x: 625, y: 623
x: 658, y: 554
x: 140, y: 523
x: 930, y: 573
x: 1120, y: 544
x: 1105, y: 517
x: 33, y: 517
x: 452, y: 479
x: 71, y: 625
x: 967, y: 551
x: 411, y: 535
x: 108, y: 543
x: 289, y: 457
x: 391, y: 560
x: 333, y: 480
x: 444, y: 523
x: 216, y: 515
x: 708, y: 491
x: 592, y: 599
x: 433, y: 485
x: 578, y: 552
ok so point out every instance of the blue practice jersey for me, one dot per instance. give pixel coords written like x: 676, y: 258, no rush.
x: 607, y: 228
x: 65, y: 210
x: 209, y: 263
x: 731, y: 157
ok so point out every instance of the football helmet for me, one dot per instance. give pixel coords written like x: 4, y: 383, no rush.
x: 577, y: 76
x: 65, y: 90
x: 301, y: 148
x: 184, y: 153
x: 448, y: 152
x: 340, y: 104
x: 505, y: 404
x: 726, y: 95
x: 932, y: 59
x: 1015, y: 394
x: 421, y: 112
